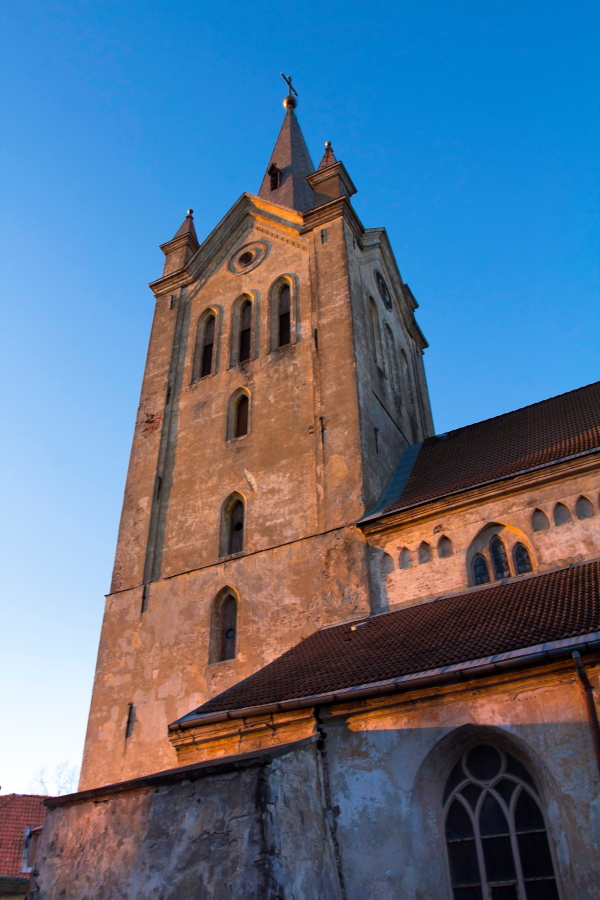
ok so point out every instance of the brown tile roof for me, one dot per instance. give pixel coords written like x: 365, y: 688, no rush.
x: 523, y: 612
x: 497, y: 448
x: 17, y: 811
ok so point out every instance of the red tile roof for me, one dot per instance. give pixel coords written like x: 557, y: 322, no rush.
x: 17, y: 811
x: 523, y: 612
x: 501, y: 447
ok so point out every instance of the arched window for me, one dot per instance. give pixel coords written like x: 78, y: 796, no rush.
x: 223, y: 639
x: 274, y: 176
x: 424, y: 552
x: 232, y: 525
x: 228, y: 627
x: 405, y: 558
x: 375, y: 336
x: 522, y: 560
x: 284, y: 316
x: 392, y: 356
x: 241, y: 416
x: 562, y: 516
x: 208, y: 344
x: 584, y: 508
x: 245, y: 331
x: 238, y: 414
x: 444, y: 547
x: 495, y: 831
x: 481, y: 574
x: 539, y: 520
x: 236, y: 527
x: 499, y: 558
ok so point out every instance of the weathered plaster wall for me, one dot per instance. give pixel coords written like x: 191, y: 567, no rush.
x: 300, y: 470
x: 573, y: 542
x: 255, y: 830
x: 389, y: 759
x: 159, y: 659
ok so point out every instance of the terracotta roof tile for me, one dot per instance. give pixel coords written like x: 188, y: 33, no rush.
x: 498, y: 619
x: 17, y: 811
x: 500, y: 447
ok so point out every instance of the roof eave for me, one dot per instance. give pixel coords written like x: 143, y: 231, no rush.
x: 469, y: 669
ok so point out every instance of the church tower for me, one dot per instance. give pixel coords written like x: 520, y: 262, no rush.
x: 283, y: 381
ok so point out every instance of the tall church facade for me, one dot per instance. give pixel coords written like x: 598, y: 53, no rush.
x: 343, y: 657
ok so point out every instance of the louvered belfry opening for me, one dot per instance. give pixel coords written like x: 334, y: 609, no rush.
x: 245, y: 331
x: 284, y: 316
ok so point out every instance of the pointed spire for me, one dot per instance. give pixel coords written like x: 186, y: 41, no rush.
x: 328, y: 157
x: 289, y: 165
x: 331, y: 180
x: 182, y: 247
x: 187, y: 226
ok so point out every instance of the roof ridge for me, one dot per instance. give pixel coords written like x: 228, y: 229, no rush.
x: 513, y: 411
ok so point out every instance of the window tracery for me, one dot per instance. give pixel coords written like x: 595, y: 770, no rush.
x: 499, y: 558
x: 522, y: 559
x: 496, y: 836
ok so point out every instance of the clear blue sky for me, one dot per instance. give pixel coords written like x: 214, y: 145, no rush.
x: 471, y: 130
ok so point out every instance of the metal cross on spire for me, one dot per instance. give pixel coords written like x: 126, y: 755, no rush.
x: 288, y: 81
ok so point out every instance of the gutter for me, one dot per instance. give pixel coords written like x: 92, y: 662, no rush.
x: 487, y: 665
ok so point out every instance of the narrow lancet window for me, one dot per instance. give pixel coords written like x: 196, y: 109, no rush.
x: 245, y: 331
x: 539, y: 520
x: 241, y: 416
x: 481, y: 574
x: 562, y: 516
x: 284, y: 316
x: 236, y: 528
x: 499, y: 558
x: 522, y: 560
x: 208, y: 347
x: 228, y: 628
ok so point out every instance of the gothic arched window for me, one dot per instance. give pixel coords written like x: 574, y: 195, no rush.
x: 424, y: 552
x: 496, y: 836
x: 539, y: 520
x: 444, y: 547
x: 375, y: 335
x: 241, y: 416
x: 245, y: 331
x: 499, y: 558
x: 208, y: 344
x: 405, y: 559
x: 481, y: 574
x: 562, y: 516
x: 284, y: 316
x: 522, y: 559
x: 584, y: 508
x: 228, y: 627
x: 236, y: 527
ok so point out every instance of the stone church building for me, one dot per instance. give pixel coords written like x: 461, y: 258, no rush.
x: 343, y: 657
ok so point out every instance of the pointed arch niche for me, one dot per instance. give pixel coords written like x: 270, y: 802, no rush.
x: 233, y: 525
x: 284, y: 315
x: 206, y: 347
x: 238, y: 414
x: 499, y: 551
x: 224, y: 626
x: 245, y: 318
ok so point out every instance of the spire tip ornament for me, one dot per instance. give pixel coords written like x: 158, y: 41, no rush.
x: 290, y: 102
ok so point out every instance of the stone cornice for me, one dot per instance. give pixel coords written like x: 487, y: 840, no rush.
x: 474, y: 496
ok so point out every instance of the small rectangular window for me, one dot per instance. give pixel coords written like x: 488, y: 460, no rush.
x: 324, y: 235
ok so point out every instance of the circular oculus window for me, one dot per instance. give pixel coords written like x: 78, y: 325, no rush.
x: 384, y: 290
x: 248, y: 257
